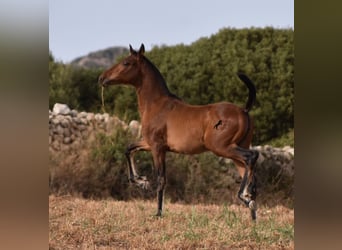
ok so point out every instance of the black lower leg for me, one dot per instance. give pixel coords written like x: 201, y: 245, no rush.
x: 250, y: 156
x: 242, y: 188
x: 160, y: 195
x: 247, y: 191
x: 160, y: 203
x: 249, y: 202
x: 252, y: 188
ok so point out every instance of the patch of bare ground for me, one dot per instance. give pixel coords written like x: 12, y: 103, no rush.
x: 77, y: 223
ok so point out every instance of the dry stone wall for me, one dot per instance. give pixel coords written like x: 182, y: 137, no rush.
x: 70, y: 129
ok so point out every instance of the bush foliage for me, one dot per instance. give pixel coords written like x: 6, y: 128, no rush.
x: 99, y: 170
x: 202, y: 73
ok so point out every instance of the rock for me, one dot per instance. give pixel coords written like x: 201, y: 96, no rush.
x: 59, y: 130
x: 60, y: 108
x: 261, y: 159
x: 57, y: 138
x: 98, y: 117
x: 73, y: 137
x: 84, y: 121
x: 102, y: 126
x: 75, y: 132
x: 134, y: 128
x: 73, y: 113
x: 67, y: 140
x: 54, y: 121
x: 82, y: 114
x: 65, y: 123
x: 105, y: 117
x: 258, y: 148
x: 64, y: 147
x: 67, y: 132
x: 82, y: 127
x: 77, y: 120
x: 289, y: 149
x: 90, y: 116
x: 55, y: 145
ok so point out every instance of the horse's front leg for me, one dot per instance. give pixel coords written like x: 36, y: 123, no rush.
x: 159, y: 163
x: 133, y: 177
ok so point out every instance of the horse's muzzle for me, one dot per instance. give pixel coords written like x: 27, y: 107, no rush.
x: 102, y: 81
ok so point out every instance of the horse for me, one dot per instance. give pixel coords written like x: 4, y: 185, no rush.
x: 169, y: 124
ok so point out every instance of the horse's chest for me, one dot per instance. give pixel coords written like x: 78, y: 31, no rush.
x: 154, y: 134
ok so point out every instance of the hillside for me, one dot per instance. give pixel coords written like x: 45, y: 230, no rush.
x: 100, y: 59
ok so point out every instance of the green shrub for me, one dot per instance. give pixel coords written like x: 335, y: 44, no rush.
x: 201, y: 73
x: 285, y: 140
x: 99, y: 170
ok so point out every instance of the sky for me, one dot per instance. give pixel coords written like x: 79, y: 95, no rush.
x: 78, y: 27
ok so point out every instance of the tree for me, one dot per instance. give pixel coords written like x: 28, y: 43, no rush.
x: 201, y: 73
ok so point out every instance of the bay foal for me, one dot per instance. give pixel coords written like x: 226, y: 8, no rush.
x: 169, y: 124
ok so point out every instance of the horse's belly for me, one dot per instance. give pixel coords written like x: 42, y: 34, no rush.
x: 186, y: 143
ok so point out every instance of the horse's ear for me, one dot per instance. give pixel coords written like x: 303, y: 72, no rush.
x: 142, y: 49
x: 131, y: 50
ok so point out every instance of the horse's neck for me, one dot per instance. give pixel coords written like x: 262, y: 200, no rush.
x: 152, y: 91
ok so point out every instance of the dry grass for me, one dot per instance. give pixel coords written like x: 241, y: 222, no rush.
x: 77, y: 223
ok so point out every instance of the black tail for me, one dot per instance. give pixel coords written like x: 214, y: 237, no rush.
x: 252, y: 91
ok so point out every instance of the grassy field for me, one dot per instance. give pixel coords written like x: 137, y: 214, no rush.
x: 77, y: 223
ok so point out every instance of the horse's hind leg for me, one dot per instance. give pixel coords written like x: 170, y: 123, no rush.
x: 133, y: 177
x: 244, y: 160
x: 246, y: 196
x: 248, y: 184
x: 248, y: 192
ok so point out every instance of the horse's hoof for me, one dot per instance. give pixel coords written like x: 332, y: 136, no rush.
x: 252, y: 205
x: 144, y: 184
x: 143, y: 178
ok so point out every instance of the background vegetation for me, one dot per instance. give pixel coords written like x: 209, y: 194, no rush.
x: 201, y: 73
x: 99, y: 170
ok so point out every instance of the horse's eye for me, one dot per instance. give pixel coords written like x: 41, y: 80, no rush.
x: 125, y: 63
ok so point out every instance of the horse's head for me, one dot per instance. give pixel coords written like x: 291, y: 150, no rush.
x: 127, y: 71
